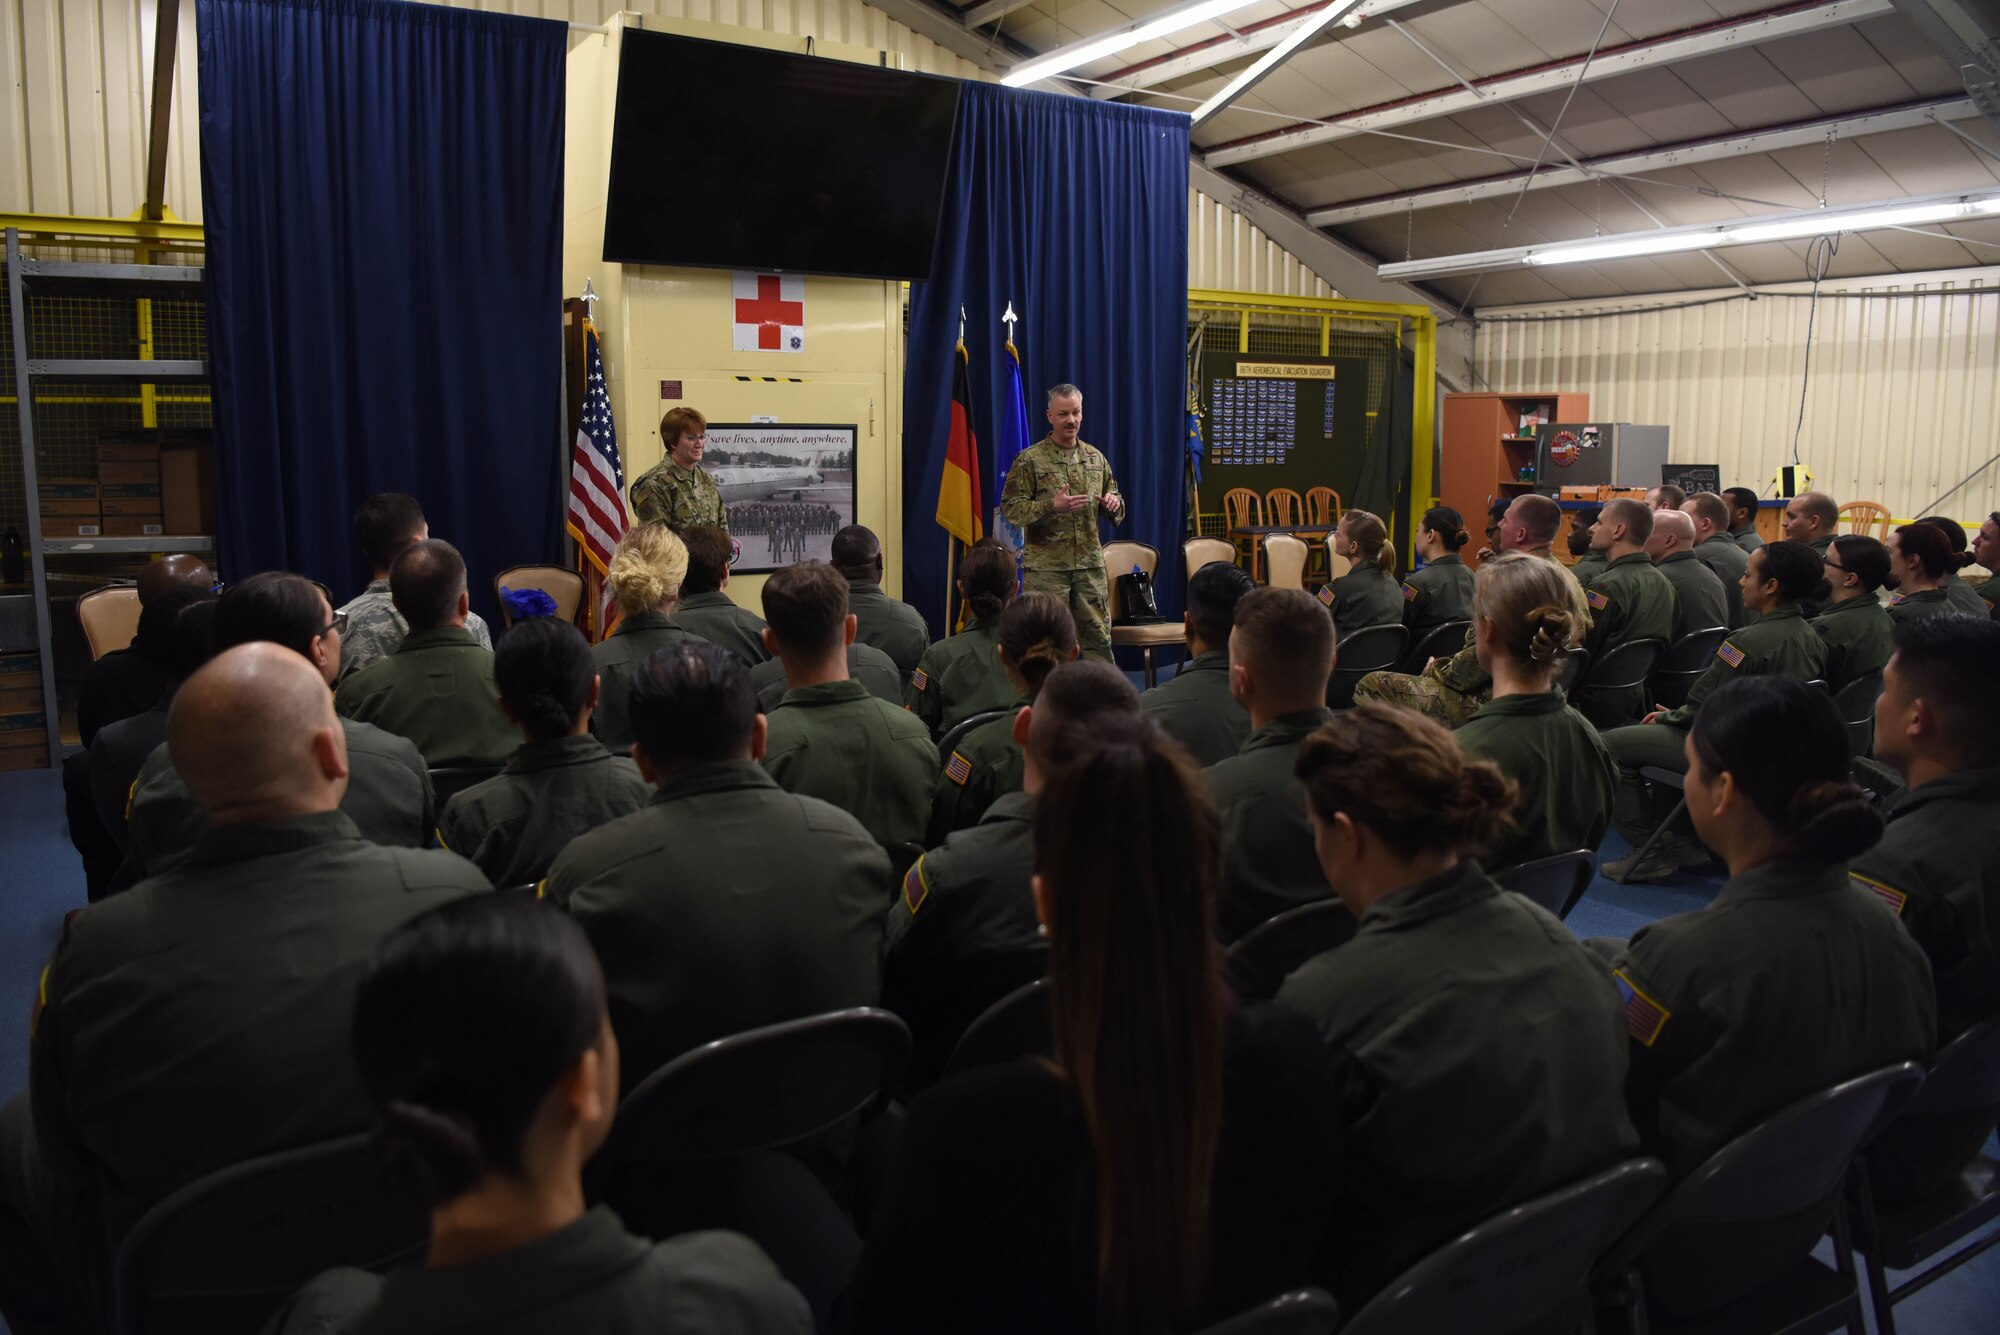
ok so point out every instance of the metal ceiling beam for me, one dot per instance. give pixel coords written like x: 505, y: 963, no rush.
x: 1797, y: 135
x: 1330, y: 13
x: 1733, y: 33
x: 165, y: 36
x: 1246, y: 40
x: 926, y: 20
x: 1966, y: 33
x: 980, y: 15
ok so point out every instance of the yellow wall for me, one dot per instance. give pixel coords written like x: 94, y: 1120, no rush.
x: 658, y: 323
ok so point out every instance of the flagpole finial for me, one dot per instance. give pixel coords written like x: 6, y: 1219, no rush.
x: 589, y: 300
x: 961, y: 324
x: 1009, y: 319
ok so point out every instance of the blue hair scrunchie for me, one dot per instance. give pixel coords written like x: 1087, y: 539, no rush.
x: 525, y: 603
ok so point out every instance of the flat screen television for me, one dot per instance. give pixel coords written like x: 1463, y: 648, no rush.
x: 735, y: 157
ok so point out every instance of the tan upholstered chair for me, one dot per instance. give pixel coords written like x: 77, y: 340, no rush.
x: 1336, y: 564
x: 1198, y: 552
x: 563, y: 585
x: 1285, y: 558
x: 110, y: 618
x: 1119, y: 558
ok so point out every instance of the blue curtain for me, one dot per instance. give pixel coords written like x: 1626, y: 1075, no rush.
x: 1076, y: 211
x: 382, y: 188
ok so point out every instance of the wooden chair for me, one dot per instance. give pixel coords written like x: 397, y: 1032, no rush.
x: 1244, y: 508
x: 1865, y: 517
x: 110, y: 618
x: 1323, y: 507
x: 563, y: 585
x: 1284, y: 506
x: 1198, y: 552
x: 1285, y: 556
x: 1119, y: 558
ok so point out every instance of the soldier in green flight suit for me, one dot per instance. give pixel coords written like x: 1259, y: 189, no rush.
x: 1714, y: 548
x: 1368, y: 594
x: 1700, y: 602
x: 645, y: 579
x: 1053, y: 493
x: 875, y: 670
x: 885, y: 623
x: 1986, y: 551
x: 1742, y: 529
x: 1588, y: 564
x: 1441, y: 591
x: 704, y: 609
x: 1813, y: 518
x: 961, y: 675
x: 964, y: 932
x: 1854, y: 625
x: 830, y: 738
x: 1961, y: 595
x: 1782, y: 641
x: 1919, y: 559
x: 1195, y: 708
x: 1629, y: 601
x: 1036, y: 637
x: 678, y: 491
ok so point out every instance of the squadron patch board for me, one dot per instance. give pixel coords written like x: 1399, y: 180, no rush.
x: 1297, y: 422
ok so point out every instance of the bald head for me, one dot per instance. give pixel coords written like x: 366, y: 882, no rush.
x: 174, y: 572
x: 1672, y: 532
x: 254, y: 736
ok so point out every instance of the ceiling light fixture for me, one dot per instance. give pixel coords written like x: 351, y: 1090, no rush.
x: 1278, y: 55
x: 1120, y: 39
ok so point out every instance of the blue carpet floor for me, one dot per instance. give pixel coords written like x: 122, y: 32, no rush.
x: 45, y: 881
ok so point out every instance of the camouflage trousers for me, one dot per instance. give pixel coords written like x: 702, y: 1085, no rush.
x: 1084, y: 592
x: 1428, y: 694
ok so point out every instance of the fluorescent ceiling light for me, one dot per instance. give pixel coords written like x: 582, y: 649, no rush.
x: 1622, y: 248
x: 1812, y: 224
x: 1121, y: 39
x: 1277, y: 56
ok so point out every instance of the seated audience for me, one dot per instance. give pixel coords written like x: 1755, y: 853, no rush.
x: 705, y: 610
x: 1987, y: 552
x: 1368, y: 594
x: 1714, y: 548
x: 122, y: 748
x: 437, y: 687
x: 1281, y: 653
x: 1795, y: 978
x: 1037, y: 635
x: 561, y: 782
x: 1743, y: 518
x: 1962, y: 596
x: 645, y: 577
x: 1812, y: 518
x: 1440, y: 591
x: 875, y: 670
x: 1919, y: 559
x: 961, y: 675
x: 1481, y: 1044
x: 388, y: 794
x: 1171, y: 1165
x: 1195, y: 707
x: 1699, y: 600
x: 1666, y: 496
x: 831, y: 739
x: 1589, y: 563
x: 724, y: 903
x: 963, y: 933
x: 201, y: 1018
x: 482, y: 1042
x: 1527, y: 617
x: 1496, y: 511
x: 886, y: 623
x: 1781, y: 642
x: 1628, y: 601
x: 1854, y: 625
x: 385, y: 527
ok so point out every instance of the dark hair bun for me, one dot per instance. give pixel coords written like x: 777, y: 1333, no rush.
x: 1836, y: 820
x: 1481, y: 812
x: 432, y: 1155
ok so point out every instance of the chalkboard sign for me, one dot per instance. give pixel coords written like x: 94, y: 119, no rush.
x: 1283, y: 421
x: 1692, y: 478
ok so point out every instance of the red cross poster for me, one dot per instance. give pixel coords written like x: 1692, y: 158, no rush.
x: 770, y: 312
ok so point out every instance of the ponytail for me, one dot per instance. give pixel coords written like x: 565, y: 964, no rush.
x: 1037, y: 635
x: 1369, y: 534
x: 1800, y: 788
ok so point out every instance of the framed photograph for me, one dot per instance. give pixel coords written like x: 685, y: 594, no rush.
x: 788, y: 489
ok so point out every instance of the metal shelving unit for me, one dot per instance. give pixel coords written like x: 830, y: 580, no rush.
x: 28, y: 278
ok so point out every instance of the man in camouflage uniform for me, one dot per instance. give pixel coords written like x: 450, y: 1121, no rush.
x: 386, y: 526
x: 677, y: 491
x: 1053, y: 494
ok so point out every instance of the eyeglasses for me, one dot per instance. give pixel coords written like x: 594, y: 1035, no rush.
x: 337, y: 626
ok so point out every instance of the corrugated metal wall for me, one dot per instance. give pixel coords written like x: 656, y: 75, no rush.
x: 73, y: 122
x: 1902, y: 402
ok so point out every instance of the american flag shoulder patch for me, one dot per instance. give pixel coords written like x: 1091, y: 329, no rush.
x: 1644, y: 1017
x: 1327, y: 595
x: 1895, y: 598
x: 959, y: 770
x: 919, y: 680
x: 1598, y: 602
x: 916, y: 889
x: 1730, y: 654
x: 1409, y: 594
x: 1888, y: 894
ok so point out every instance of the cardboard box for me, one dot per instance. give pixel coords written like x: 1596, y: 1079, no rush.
x: 69, y: 497
x: 187, y: 483
x: 72, y: 527
x: 140, y: 446
x: 111, y: 473
x: 132, y: 498
x: 133, y: 526
x: 24, y: 740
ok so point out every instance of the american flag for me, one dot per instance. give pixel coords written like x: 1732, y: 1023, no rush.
x: 596, y: 477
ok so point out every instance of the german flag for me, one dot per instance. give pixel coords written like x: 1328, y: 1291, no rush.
x: 958, y: 506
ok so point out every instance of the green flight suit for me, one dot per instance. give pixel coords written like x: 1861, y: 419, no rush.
x: 618, y: 656
x: 1728, y: 561
x: 725, y: 904
x: 1747, y: 538
x: 389, y: 798
x: 1061, y: 554
x: 985, y: 765
x: 1700, y: 601
x: 1989, y: 593
x: 836, y: 742
x: 963, y: 933
x: 1484, y: 1063
x: 866, y: 664
x: 1440, y: 592
x: 715, y: 617
x: 1565, y: 771
x: 678, y: 497
x: 1196, y: 709
x: 437, y: 689
x: 1268, y: 861
x: 1780, y: 641
x: 1857, y: 634
x: 1631, y: 600
x: 1589, y: 566
x: 513, y: 825
x: 1365, y: 596
x: 1922, y: 603
x: 888, y: 624
x: 1963, y: 597
x: 960, y: 676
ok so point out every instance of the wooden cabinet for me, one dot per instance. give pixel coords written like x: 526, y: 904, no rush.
x: 1485, y: 448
